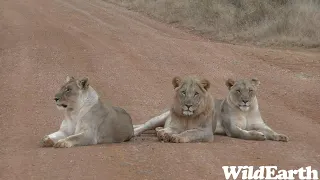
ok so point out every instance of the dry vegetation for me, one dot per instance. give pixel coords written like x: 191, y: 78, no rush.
x: 261, y: 22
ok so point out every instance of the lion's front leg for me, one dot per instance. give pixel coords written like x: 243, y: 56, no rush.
x: 234, y: 128
x: 80, y: 139
x: 237, y: 132
x: 49, y: 140
x: 46, y: 141
x: 269, y: 133
x: 193, y: 135
x: 164, y: 134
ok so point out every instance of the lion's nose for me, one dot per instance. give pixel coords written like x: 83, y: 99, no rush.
x: 188, y: 105
x: 245, y: 101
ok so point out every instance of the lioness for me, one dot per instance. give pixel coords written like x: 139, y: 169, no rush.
x: 190, y: 116
x: 237, y: 115
x: 87, y: 121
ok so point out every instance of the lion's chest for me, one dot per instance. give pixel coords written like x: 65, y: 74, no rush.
x: 240, y: 121
x: 182, y: 124
x: 73, y: 120
x: 245, y: 120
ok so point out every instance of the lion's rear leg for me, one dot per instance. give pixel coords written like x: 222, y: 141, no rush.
x: 137, y: 125
x: 157, y: 121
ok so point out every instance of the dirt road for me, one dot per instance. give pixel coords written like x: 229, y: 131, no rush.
x: 130, y: 61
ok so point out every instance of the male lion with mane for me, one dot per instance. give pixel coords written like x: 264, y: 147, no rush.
x: 87, y: 121
x: 190, y: 116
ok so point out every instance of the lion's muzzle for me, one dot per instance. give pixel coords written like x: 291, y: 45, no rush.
x: 187, y: 110
x: 59, y: 104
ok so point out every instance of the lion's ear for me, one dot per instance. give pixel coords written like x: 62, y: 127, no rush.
x: 230, y: 83
x: 255, y: 82
x: 205, y: 83
x: 83, y: 83
x: 69, y: 78
x: 176, y: 81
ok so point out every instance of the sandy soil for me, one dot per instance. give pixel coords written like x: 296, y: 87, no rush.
x: 130, y: 61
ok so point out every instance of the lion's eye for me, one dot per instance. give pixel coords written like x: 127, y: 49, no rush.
x: 250, y: 90
x: 183, y: 93
x: 238, y: 91
x: 195, y: 94
x: 68, y: 89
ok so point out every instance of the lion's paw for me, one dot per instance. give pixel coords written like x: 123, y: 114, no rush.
x: 175, y: 138
x: 62, y: 144
x: 258, y: 135
x: 280, y: 137
x: 46, y: 142
x: 160, y: 134
x: 163, y: 136
x: 158, y: 129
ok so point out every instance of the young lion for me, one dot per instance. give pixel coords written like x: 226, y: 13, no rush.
x: 87, y: 121
x: 238, y: 115
x: 190, y: 117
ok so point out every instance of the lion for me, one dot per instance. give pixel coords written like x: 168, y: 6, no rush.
x: 87, y: 121
x: 190, y: 116
x: 237, y: 115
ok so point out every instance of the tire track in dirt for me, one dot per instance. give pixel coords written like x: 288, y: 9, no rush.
x: 130, y: 61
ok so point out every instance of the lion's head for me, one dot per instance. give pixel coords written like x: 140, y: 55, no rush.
x: 192, y: 97
x: 242, y: 93
x: 70, y: 91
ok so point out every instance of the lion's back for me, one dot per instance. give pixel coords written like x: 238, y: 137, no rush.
x: 116, y: 125
x: 122, y: 126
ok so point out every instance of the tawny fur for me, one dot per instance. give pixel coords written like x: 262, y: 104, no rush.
x: 237, y: 115
x: 190, y: 116
x: 87, y: 121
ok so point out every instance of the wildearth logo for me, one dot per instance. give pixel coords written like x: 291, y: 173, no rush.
x: 268, y: 172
